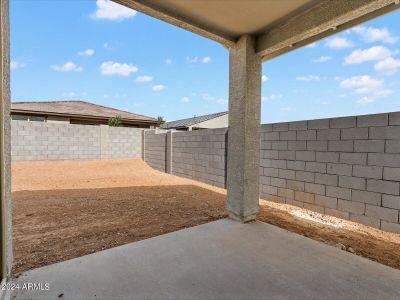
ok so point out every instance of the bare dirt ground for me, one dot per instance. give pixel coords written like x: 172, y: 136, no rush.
x: 63, y: 210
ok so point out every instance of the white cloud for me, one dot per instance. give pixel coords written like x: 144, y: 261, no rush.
x: 339, y: 43
x: 16, y: 65
x: 272, y: 97
x: 206, y: 60
x: 322, y: 59
x: 370, y: 34
x: 375, y: 96
x: 312, y: 45
x: 365, y: 100
x: 222, y: 101
x: 371, y: 54
x: 67, y: 67
x: 87, y: 52
x: 185, y: 99
x: 168, y: 61
x: 388, y: 66
x: 113, y: 68
x: 138, y: 104
x: 308, y: 78
x: 69, y: 94
x: 196, y: 59
x: 109, y: 10
x: 264, y: 78
x: 371, y: 88
x: 107, y: 46
x: 287, y: 109
x: 144, y: 78
x: 192, y: 60
x: 208, y: 97
x: 106, y: 96
x: 158, y: 88
x: 361, y: 84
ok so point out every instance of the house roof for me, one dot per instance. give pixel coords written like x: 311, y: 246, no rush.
x: 76, y: 109
x: 191, y: 121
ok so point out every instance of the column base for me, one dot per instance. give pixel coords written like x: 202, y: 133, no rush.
x: 243, y: 219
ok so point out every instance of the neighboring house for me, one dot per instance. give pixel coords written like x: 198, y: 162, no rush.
x: 76, y: 112
x: 218, y: 120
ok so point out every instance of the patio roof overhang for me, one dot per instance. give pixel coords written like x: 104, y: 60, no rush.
x: 278, y: 26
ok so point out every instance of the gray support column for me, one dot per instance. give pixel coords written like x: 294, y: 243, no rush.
x: 5, y: 148
x: 244, y: 130
x: 168, y: 153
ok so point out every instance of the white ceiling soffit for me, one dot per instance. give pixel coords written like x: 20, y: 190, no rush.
x: 279, y: 25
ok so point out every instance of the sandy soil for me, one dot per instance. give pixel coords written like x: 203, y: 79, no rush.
x: 63, y: 210
x: 377, y: 245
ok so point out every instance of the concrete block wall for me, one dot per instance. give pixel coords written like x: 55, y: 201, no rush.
x: 346, y: 167
x: 58, y: 141
x: 155, y: 149
x: 200, y: 155
x: 124, y: 142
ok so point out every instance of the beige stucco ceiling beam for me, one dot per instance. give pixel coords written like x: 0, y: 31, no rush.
x: 319, y: 21
x: 169, y: 16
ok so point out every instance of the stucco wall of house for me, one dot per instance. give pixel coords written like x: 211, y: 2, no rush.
x: 219, y: 122
x: 55, y: 119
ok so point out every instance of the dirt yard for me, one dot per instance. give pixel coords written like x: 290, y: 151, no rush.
x: 63, y: 210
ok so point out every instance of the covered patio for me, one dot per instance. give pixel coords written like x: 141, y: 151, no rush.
x: 223, y: 259
x: 233, y: 258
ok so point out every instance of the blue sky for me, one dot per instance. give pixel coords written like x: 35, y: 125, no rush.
x: 104, y: 53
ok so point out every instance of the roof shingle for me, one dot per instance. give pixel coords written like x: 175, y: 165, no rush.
x: 76, y: 108
x: 191, y: 121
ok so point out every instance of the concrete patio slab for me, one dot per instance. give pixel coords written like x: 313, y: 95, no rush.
x: 219, y: 260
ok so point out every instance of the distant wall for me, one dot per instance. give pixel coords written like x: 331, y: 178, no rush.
x: 124, y: 142
x: 346, y: 167
x: 63, y: 141
x: 200, y: 155
x: 155, y: 150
